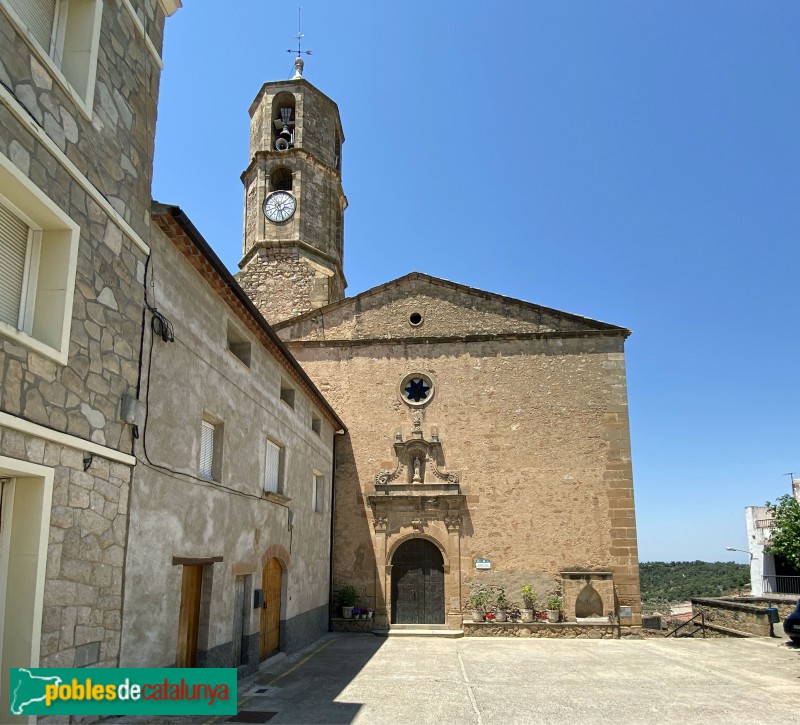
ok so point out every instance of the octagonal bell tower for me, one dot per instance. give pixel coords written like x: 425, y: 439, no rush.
x: 293, y: 200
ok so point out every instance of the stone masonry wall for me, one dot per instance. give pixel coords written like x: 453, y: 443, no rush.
x: 115, y: 148
x: 536, y: 429
x: 283, y: 284
x: 447, y: 310
x: 83, y: 397
x: 85, y: 553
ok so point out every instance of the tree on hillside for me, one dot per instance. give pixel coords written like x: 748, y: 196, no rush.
x: 785, y: 538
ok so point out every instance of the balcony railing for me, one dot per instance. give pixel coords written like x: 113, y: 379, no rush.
x: 781, y: 584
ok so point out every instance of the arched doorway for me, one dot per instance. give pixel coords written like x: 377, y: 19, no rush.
x: 271, y: 582
x: 417, y: 583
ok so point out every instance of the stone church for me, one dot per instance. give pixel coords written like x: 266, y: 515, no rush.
x: 487, y: 438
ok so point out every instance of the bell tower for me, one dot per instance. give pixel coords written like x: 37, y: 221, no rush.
x: 293, y: 200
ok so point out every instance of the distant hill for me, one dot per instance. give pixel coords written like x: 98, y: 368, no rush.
x: 677, y: 581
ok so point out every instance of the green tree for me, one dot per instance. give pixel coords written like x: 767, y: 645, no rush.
x: 785, y: 538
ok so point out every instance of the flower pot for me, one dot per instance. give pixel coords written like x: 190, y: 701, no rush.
x: 553, y: 615
x: 370, y: 615
x: 527, y: 615
x: 501, y: 616
x: 347, y: 612
x: 477, y: 615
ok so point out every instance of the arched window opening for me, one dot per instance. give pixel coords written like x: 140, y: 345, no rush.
x: 337, y: 152
x: 281, y: 179
x: 283, y: 122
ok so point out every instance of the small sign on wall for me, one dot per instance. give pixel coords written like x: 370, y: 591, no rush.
x: 483, y: 564
x: 625, y: 612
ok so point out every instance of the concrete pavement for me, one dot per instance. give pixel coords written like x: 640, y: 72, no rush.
x: 364, y: 679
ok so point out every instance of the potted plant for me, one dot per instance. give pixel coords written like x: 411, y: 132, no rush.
x: 477, y: 602
x: 347, y: 598
x: 514, y: 614
x: 490, y: 617
x: 503, y: 605
x: 528, y: 603
x: 553, y: 606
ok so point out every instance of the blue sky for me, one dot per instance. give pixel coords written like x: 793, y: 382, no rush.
x: 636, y: 162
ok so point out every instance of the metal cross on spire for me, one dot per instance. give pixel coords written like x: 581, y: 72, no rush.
x: 298, y: 61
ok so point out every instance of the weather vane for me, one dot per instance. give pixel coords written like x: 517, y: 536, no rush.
x: 298, y: 61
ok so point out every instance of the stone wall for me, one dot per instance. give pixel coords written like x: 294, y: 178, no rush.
x: 283, y: 284
x: 64, y: 420
x: 537, y: 430
x: 228, y: 525
x: 447, y: 310
x: 85, y: 553
x: 114, y: 148
x: 83, y: 397
x: 562, y: 630
x: 746, y: 615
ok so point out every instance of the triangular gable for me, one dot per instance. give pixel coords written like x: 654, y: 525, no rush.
x: 447, y: 310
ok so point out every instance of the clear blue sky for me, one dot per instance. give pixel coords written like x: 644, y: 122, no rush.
x: 635, y: 162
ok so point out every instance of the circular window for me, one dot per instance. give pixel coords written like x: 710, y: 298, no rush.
x: 416, y: 389
x: 415, y: 318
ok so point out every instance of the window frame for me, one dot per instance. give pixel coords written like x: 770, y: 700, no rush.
x: 288, y: 394
x: 50, y: 271
x: 280, y: 484
x: 239, y: 345
x: 79, y: 77
x: 30, y: 272
x: 217, y: 441
x: 317, y: 492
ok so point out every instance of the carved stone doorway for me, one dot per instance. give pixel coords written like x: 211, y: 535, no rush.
x: 417, y: 583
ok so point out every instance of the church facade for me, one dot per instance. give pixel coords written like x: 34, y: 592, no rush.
x: 487, y: 440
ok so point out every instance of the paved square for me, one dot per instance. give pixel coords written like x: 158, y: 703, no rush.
x: 364, y: 679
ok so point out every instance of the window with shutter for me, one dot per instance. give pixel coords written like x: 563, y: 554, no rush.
x: 207, y: 450
x: 66, y: 35
x: 38, y: 259
x: 15, y: 237
x: 39, y: 17
x: 273, y: 468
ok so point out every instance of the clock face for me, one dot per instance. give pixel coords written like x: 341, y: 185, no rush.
x: 279, y: 206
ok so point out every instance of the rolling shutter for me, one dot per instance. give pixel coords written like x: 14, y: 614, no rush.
x: 207, y: 450
x: 14, y: 235
x: 273, y: 468
x: 38, y: 16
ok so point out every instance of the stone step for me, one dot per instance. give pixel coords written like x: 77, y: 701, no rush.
x: 417, y: 626
x: 419, y: 631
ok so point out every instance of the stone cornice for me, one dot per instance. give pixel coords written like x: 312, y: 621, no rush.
x: 170, y: 6
x: 288, y: 154
x: 499, y: 337
x: 472, y: 291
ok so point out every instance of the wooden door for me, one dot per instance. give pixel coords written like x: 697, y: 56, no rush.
x: 189, y: 618
x: 271, y: 583
x: 417, y: 584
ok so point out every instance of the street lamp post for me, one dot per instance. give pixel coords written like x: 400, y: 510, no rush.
x: 732, y: 548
